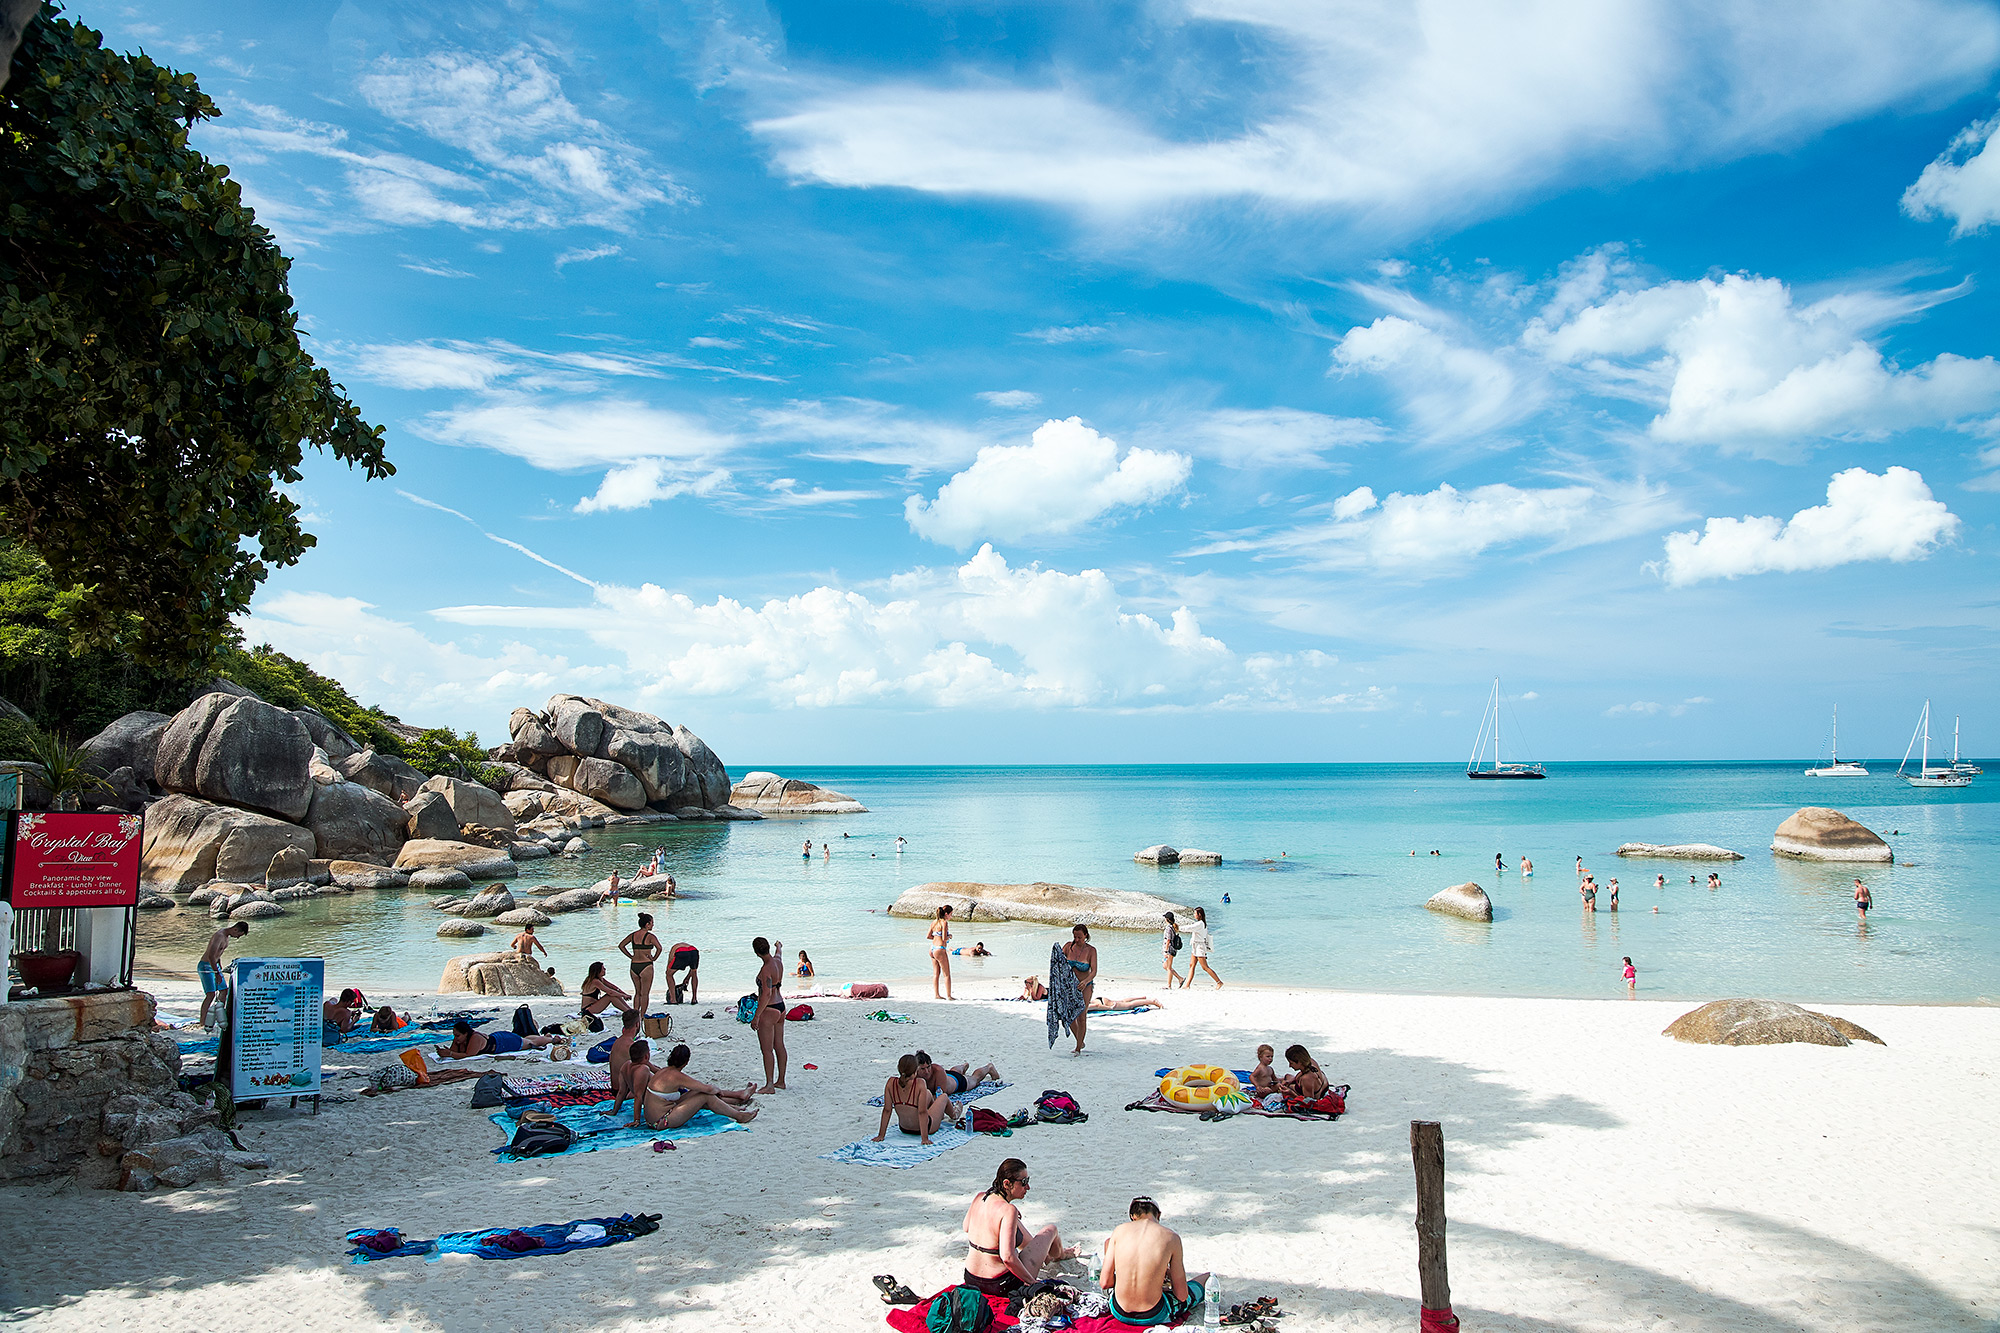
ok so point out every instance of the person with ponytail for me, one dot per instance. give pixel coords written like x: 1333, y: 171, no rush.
x: 917, y: 1108
x: 1005, y: 1255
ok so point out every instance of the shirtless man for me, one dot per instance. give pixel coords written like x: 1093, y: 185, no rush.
x: 1145, y: 1272
x: 621, y: 1060
x: 684, y: 957
x: 527, y: 942
x: 769, y: 1025
x: 210, y: 966
x: 670, y: 1098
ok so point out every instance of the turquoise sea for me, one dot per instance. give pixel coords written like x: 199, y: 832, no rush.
x: 1323, y: 890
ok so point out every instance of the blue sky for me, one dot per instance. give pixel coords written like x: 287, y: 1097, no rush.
x: 1213, y: 381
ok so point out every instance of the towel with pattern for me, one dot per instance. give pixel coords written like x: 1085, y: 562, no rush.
x: 1065, y: 996
x: 900, y: 1150
x: 502, y: 1242
x: 594, y: 1079
x: 971, y: 1094
x: 597, y: 1133
x: 1330, y: 1107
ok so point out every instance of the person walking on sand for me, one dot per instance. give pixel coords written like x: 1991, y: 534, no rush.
x: 1145, y: 1271
x: 939, y: 938
x: 769, y: 1024
x: 1202, y: 942
x: 1170, y: 944
x: 210, y: 966
x: 1005, y: 1254
x: 527, y: 942
x: 1863, y: 899
x: 641, y: 949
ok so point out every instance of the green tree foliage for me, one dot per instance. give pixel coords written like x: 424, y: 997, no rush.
x: 154, y: 398
x: 290, y: 683
x: 443, y: 752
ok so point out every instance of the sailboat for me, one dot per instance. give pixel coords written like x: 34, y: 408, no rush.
x: 1926, y: 776
x: 1959, y: 766
x: 1836, y: 769
x: 1489, y: 723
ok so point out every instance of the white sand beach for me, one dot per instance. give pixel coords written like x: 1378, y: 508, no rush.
x: 1600, y: 1176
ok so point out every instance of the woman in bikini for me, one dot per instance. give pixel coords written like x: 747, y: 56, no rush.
x: 955, y: 1080
x: 467, y: 1044
x: 642, y: 949
x: 909, y: 1098
x: 939, y: 936
x: 670, y: 1098
x: 1005, y: 1255
x: 598, y: 994
x: 1082, y: 957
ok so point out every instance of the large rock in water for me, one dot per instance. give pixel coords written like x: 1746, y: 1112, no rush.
x: 189, y: 842
x: 1764, y: 1023
x: 362, y: 875
x: 503, y: 973
x: 472, y: 803
x: 1466, y: 900
x: 771, y: 794
x: 1159, y: 854
x: 239, y: 750
x: 1818, y: 834
x: 1052, y: 904
x: 353, y: 823
x: 673, y: 767
x: 476, y: 861
x: 132, y: 741
x: 1679, y: 851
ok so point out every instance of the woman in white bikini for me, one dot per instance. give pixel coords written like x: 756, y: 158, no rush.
x: 670, y: 1098
x: 939, y: 936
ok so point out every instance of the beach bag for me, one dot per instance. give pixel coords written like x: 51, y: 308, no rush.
x: 746, y: 1009
x: 1055, y: 1107
x: 868, y: 990
x: 538, y: 1138
x: 658, y: 1025
x: 798, y: 1013
x: 1175, y: 947
x: 600, y: 1054
x: 958, y: 1310
x: 524, y: 1022
x: 488, y: 1092
x: 982, y: 1121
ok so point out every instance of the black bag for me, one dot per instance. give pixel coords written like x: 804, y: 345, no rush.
x: 488, y: 1092
x: 524, y: 1022
x: 538, y: 1138
x: 1175, y: 947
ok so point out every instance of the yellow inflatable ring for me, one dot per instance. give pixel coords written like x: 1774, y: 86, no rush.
x: 1200, y: 1085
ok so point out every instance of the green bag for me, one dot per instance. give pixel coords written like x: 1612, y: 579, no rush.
x: 959, y: 1310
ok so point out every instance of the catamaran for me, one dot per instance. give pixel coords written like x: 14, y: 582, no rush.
x: 1926, y: 776
x: 1958, y: 765
x: 1489, y: 724
x: 1837, y: 769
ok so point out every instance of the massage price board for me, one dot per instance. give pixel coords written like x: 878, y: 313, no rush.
x: 275, y: 1021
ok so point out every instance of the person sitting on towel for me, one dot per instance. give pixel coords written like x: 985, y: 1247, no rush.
x: 669, y: 1099
x: 388, y: 1020
x: 956, y: 1079
x: 1004, y: 1255
x: 467, y: 1044
x: 910, y: 1098
x: 1144, y: 1270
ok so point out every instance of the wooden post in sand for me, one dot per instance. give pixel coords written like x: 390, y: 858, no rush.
x: 1427, y: 1153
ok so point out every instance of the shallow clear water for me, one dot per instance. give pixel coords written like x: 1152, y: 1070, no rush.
x: 1323, y: 889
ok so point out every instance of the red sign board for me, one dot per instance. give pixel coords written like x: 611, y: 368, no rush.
x: 75, y: 860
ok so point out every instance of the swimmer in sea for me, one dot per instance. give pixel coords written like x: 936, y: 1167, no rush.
x: 1498, y: 864
x: 1527, y: 866
x: 1659, y: 881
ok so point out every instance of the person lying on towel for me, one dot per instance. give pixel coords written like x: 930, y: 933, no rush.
x: 1144, y: 1270
x: 467, y: 1044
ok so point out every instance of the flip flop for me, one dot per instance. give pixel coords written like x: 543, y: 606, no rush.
x: 894, y: 1292
x: 664, y: 1145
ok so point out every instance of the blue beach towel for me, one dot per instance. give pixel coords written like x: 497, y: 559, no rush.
x: 596, y: 1133
x: 1242, y: 1075
x: 971, y: 1094
x: 907, y: 1152
x: 355, y: 1044
x: 554, y: 1238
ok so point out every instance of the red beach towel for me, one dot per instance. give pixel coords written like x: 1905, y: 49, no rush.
x: 911, y: 1319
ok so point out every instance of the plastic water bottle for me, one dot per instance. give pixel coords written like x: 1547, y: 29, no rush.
x: 1211, y: 1302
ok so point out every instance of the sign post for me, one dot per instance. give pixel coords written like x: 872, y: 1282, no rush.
x: 275, y: 1022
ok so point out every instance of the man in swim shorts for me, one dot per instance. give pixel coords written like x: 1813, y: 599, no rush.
x: 210, y: 966
x: 684, y: 957
x: 1144, y: 1270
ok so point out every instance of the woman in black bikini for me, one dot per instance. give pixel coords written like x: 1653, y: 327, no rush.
x: 956, y: 1079
x: 1005, y: 1255
x: 599, y: 994
x: 467, y: 1044
x: 908, y: 1097
x: 642, y: 949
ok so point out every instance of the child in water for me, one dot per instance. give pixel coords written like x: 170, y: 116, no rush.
x: 805, y: 964
x: 1631, y: 974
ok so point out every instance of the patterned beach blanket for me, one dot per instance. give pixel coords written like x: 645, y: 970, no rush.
x: 541, y: 1085
x: 555, y: 1238
x: 1330, y: 1107
x: 915, y: 1318
x: 971, y: 1094
x: 900, y: 1150
x: 354, y: 1048
x: 597, y: 1133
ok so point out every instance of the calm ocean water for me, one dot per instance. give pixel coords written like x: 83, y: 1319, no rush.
x: 1322, y: 888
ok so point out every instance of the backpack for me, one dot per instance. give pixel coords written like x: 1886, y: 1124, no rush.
x: 982, y: 1121
x: 524, y: 1022
x: 798, y: 1013
x: 487, y: 1092
x: 1175, y: 947
x: 958, y: 1310
x: 600, y: 1054
x: 746, y: 1009
x: 538, y: 1138
x: 1055, y: 1107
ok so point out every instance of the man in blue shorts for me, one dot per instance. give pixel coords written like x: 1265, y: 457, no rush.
x: 210, y: 966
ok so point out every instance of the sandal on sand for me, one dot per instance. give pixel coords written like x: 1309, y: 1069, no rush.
x: 894, y: 1292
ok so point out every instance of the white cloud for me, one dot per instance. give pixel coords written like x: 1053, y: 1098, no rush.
x: 861, y: 430
x: 560, y: 435
x: 433, y: 365
x: 639, y: 484
x: 1388, y: 112
x: 1268, y: 437
x: 1866, y: 517
x: 584, y: 254
x: 1647, y: 708
x: 1010, y: 398
x: 1066, y: 477
x: 1963, y: 184
x: 1071, y: 333
x: 1449, y: 391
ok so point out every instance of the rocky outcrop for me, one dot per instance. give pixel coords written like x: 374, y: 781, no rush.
x: 523, y: 916
x: 670, y: 765
x: 460, y: 929
x: 472, y: 803
x: 1764, y: 1023
x: 571, y: 900
x: 352, y: 823
x: 1062, y: 905
x: 476, y: 861
x: 646, y: 886
x: 1195, y: 856
x: 1467, y: 900
x: 1817, y: 834
x: 428, y: 815
x: 240, y: 751
x: 255, y: 911
x: 572, y: 809
x: 327, y: 734
x: 189, y: 842
x: 381, y: 773
x: 440, y: 879
x: 362, y: 875
x: 518, y: 777
x: 1679, y: 851
x: 503, y: 973
x: 287, y: 869
x: 489, y: 901
x: 767, y: 793
x: 130, y: 742
x: 1159, y: 854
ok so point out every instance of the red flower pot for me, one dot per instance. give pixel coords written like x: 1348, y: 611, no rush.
x: 48, y: 972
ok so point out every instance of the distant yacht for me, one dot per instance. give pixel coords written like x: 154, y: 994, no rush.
x: 1959, y: 766
x: 1926, y: 776
x: 1836, y: 769
x: 1489, y: 725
